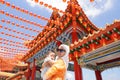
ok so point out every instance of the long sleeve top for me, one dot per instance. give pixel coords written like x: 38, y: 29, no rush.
x: 57, y: 71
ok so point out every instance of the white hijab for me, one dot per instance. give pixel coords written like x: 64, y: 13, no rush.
x: 65, y: 57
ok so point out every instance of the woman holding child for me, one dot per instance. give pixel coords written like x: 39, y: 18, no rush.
x: 58, y: 70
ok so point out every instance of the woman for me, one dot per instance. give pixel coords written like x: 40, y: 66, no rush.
x: 59, y: 68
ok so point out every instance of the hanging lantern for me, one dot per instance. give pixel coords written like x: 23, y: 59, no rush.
x: 61, y: 27
x: 115, y: 36
x: 91, y: 0
x: 76, y: 54
x: 2, y: 1
x: 83, y: 50
x: 80, y: 19
x: 54, y: 35
x: 3, y: 20
x: 49, y: 6
x: 88, y: 28
x: 85, y: 24
x: 65, y: 23
x: 68, y: 19
x: 46, y: 5
x: 77, y: 12
x: 64, y: 0
x: 30, y: 13
x: 8, y: 21
x: 59, y: 31
x: 36, y: 1
x: 13, y: 23
x: 11, y: 15
x: 13, y: 6
x: 17, y: 8
x: 7, y: 4
x: 103, y: 41
x: 2, y: 12
x: 41, y: 3
x: 0, y: 27
x: 70, y: 56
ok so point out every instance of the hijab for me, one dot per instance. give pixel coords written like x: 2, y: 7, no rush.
x: 65, y: 57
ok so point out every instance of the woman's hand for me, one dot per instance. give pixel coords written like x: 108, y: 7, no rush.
x: 46, y: 64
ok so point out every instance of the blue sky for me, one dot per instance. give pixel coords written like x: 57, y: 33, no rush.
x: 100, y: 12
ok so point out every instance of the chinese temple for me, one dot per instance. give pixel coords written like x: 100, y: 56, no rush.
x: 90, y: 47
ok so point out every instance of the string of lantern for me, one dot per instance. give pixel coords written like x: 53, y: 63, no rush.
x: 53, y: 8
x: 12, y: 41
x: 20, y: 18
x: 23, y: 10
x: 18, y: 32
x: 10, y: 35
x: 27, y: 12
x: 14, y: 49
x: 6, y: 43
x: 35, y: 15
x: 4, y: 50
x: 18, y: 25
x: 13, y: 52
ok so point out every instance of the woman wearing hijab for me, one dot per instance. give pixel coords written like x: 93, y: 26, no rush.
x: 59, y: 68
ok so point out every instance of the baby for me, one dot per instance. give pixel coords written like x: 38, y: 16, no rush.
x: 48, y: 62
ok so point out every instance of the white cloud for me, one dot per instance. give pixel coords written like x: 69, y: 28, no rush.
x: 56, y: 3
x: 98, y: 7
x: 92, y: 9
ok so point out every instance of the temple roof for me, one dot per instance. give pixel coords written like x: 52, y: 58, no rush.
x: 61, y: 24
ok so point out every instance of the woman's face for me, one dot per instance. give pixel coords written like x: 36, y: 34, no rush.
x: 61, y: 51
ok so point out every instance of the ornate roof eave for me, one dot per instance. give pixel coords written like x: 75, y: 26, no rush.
x: 115, y: 25
x: 62, y: 29
x: 30, y: 54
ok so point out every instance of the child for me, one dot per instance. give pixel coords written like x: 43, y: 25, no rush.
x: 48, y: 62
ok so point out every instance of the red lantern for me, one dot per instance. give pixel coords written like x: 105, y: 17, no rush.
x: 41, y: 3
x: 49, y: 6
x: 85, y: 24
x: 70, y: 56
x: 8, y: 21
x: 36, y: 1
x: 80, y: 19
x: 103, y: 41
x: 46, y: 5
x: 3, y: 20
x: 91, y: 0
x: 2, y: 12
x: 2, y: 1
x: 64, y: 0
x: 83, y: 50
x: 76, y: 54
x: 115, y: 36
x: 13, y: 6
x: 0, y: 27
x: 7, y: 4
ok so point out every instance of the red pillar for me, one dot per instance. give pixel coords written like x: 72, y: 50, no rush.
x: 77, y: 68
x: 98, y: 75
x: 27, y: 74
x: 33, y: 71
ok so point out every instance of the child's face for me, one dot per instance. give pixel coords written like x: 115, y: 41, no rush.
x: 52, y: 55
